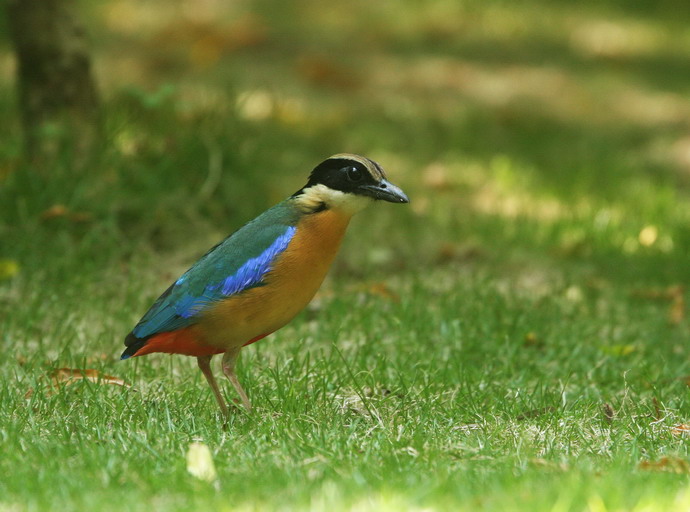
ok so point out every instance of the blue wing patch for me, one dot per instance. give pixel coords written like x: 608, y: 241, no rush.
x: 247, y: 276
x: 208, y: 281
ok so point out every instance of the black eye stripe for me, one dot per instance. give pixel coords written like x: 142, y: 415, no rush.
x: 345, y: 174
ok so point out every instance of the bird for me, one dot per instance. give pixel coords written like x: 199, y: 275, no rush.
x: 260, y: 277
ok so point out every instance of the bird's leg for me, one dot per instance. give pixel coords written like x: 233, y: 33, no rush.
x: 229, y: 359
x: 204, y: 363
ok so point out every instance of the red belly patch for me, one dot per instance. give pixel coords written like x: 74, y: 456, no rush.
x: 182, y: 342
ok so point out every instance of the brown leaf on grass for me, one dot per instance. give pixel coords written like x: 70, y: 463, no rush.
x: 68, y: 376
x: 384, y: 291
x: 676, y: 312
x: 680, y: 430
x: 660, y: 294
x: 55, y: 211
x: 666, y: 464
x: 58, y: 211
x: 449, y: 252
x: 326, y: 72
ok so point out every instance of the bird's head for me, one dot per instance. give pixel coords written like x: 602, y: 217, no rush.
x: 347, y: 182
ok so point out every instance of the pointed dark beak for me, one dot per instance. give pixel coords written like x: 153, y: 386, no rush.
x: 386, y: 191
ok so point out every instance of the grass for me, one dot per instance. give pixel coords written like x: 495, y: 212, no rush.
x: 374, y: 403
x: 514, y: 339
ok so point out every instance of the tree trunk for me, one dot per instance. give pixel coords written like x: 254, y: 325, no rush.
x: 57, y: 94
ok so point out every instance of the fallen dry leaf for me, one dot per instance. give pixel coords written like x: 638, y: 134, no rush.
x: 61, y: 211
x: 68, y: 376
x: 200, y: 462
x: 55, y: 211
x: 326, y: 72
x: 681, y: 429
x: 667, y: 293
x: 676, y: 312
x: 666, y: 464
x: 449, y: 252
x: 384, y: 291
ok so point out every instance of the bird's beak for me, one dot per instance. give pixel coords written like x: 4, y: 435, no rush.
x: 386, y: 191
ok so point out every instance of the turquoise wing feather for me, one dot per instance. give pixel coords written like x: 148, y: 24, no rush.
x: 236, y: 264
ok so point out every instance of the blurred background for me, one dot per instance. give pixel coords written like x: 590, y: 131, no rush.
x: 519, y: 329
x: 547, y: 142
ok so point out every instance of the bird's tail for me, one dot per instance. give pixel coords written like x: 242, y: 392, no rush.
x: 133, y: 345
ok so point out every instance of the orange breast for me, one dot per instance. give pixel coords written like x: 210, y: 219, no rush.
x: 290, y: 285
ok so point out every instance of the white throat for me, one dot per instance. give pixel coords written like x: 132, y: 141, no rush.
x: 315, y: 197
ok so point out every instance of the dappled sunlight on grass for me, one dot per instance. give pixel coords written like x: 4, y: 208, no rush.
x: 440, y: 66
x: 619, y: 39
x: 449, y: 65
x: 514, y: 338
x: 449, y: 84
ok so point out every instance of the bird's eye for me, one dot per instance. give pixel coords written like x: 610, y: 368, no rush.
x: 354, y: 174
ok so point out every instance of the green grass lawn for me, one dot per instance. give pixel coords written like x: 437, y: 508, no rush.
x: 514, y: 339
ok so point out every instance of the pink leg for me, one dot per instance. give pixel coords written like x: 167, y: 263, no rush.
x: 229, y: 359
x: 204, y: 363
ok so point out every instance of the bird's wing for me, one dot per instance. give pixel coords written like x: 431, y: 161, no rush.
x: 236, y: 264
